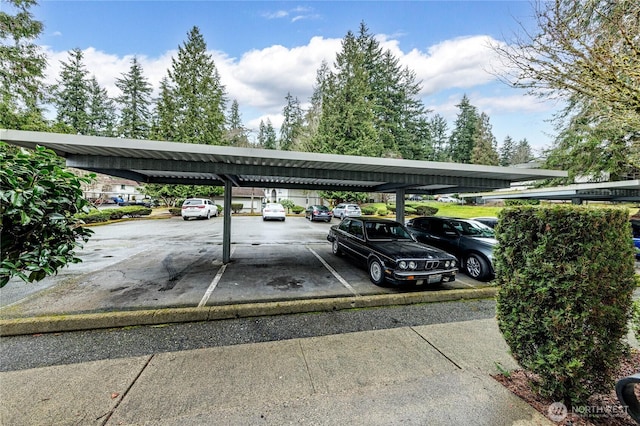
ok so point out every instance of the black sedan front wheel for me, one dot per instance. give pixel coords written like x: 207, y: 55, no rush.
x: 477, y: 267
x: 376, y: 272
x: 335, y: 248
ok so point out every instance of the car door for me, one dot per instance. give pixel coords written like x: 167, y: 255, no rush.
x: 444, y: 235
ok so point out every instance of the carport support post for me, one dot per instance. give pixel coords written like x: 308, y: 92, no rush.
x: 226, y: 224
x: 400, y: 206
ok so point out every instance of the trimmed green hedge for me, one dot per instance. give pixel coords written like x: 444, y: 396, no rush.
x: 426, y: 210
x: 236, y: 207
x: 297, y: 209
x: 369, y: 210
x: 104, y: 215
x: 567, y: 277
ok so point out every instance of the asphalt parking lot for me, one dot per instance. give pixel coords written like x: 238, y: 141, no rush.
x: 157, y: 263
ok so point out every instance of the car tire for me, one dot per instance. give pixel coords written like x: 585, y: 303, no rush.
x: 209, y: 215
x: 476, y: 267
x: 376, y: 271
x: 185, y: 218
x: 335, y: 247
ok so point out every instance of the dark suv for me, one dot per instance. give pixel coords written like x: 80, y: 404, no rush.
x: 318, y: 212
x: 470, y: 241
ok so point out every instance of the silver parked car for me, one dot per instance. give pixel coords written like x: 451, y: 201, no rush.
x: 343, y: 210
x: 200, y: 208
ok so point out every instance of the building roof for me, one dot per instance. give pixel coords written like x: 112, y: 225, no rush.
x: 627, y: 190
x: 182, y: 163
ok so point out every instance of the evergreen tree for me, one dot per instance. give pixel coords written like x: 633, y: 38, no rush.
x: 291, y: 128
x: 194, y: 97
x: 522, y: 152
x: 507, y: 150
x: 22, y: 66
x: 134, y: 102
x: 484, y: 143
x: 101, y: 111
x: 237, y: 132
x: 71, y: 94
x: 262, y: 134
x: 462, y: 137
x: 439, y: 138
x: 165, y: 125
x: 270, y: 138
x: 347, y: 122
x: 313, y: 114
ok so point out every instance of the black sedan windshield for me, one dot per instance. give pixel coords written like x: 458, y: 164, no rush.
x: 386, y: 231
x: 472, y: 228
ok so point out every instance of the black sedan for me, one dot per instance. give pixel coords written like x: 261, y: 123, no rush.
x: 471, y: 241
x: 390, y: 252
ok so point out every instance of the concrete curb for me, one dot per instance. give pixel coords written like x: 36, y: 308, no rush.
x: 91, y: 321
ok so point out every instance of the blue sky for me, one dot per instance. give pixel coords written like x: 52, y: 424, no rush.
x: 265, y: 49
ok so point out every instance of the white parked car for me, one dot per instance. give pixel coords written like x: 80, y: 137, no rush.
x: 449, y: 200
x: 346, y: 210
x: 200, y: 208
x: 274, y: 211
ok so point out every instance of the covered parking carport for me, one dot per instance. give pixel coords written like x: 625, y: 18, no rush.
x: 161, y: 162
x: 618, y: 191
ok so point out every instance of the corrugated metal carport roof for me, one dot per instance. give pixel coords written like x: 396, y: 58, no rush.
x: 172, y: 162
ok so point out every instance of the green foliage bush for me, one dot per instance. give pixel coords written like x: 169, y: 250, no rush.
x: 297, y: 209
x: 368, y: 210
x: 236, y: 207
x: 567, y: 276
x: 635, y: 319
x: 522, y: 202
x: 177, y: 211
x: 407, y: 209
x: 426, y: 210
x: 383, y: 212
x: 104, y: 215
x: 39, y: 199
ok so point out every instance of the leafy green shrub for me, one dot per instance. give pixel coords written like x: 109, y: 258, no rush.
x: 383, y: 212
x: 407, y: 209
x: 95, y: 216
x: 135, y: 211
x: 236, y: 207
x: 177, y: 211
x: 522, y: 202
x: 635, y: 319
x: 368, y: 210
x: 567, y: 276
x: 297, y: 209
x: 39, y: 199
x: 287, y: 204
x: 426, y: 210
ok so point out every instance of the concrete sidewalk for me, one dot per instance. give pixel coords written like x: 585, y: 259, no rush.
x: 427, y: 375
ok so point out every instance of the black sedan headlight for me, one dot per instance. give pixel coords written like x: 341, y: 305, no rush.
x: 407, y: 265
x: 449, y: 263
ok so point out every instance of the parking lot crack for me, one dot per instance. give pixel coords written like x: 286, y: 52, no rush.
x: 108, y: 415
x: 306, y: 365
x: 436, y: 348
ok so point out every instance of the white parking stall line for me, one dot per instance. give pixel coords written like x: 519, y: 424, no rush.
x: 214, y: 283
x: 334, y: 272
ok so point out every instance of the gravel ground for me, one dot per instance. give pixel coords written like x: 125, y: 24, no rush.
x: 23, y: 352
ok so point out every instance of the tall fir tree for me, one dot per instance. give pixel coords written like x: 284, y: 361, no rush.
x: 311, y: 119
x: 101, y: 111
x: 71, y: 94
x: 506, y: 151
x: 194, y: 96
x: 134, y: 102
x: 237, y: 132
x: 291, y: 128
x: 164, y: 123
x: 347, y: 122
x: 462, y: 137
x: 438, y: 129
x: 522, y: 152
x: 22, y: 67
x: 484, y: 143
x: 270, y: 138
